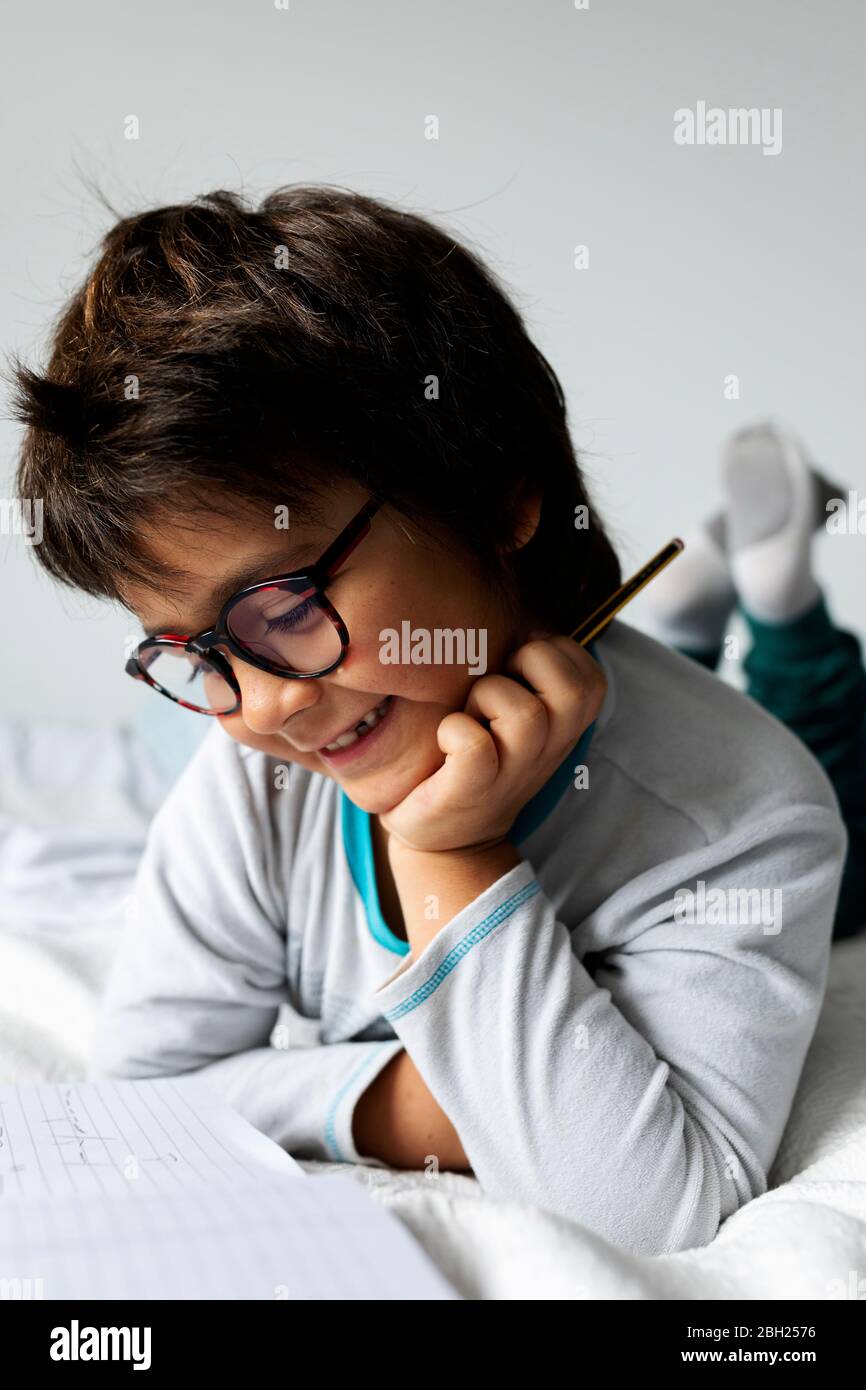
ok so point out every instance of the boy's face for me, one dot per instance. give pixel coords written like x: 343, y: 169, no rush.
x: 387, y: 580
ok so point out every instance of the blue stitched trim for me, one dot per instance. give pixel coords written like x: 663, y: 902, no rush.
x: 331, y: 1118
x: 358, y: 844
x: 463, y: 947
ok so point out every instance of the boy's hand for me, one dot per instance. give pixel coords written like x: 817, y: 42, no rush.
x: 491, y: 772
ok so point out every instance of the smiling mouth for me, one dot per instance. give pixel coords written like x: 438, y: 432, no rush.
x: 364, y: 726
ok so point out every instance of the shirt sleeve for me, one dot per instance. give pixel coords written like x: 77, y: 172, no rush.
x: 646, y: 1100
x: 200, y: 971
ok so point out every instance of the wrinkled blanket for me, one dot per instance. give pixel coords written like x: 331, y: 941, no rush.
x: 74, y: 810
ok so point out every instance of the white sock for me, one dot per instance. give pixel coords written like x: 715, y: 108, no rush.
x: 689, y: 603
x: 774, y: 498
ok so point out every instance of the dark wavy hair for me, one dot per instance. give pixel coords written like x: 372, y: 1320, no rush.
x: 258, y: 354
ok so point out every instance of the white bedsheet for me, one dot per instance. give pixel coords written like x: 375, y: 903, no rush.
x: 74, y: 809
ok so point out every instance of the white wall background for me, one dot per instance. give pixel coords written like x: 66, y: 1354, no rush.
x: 556, y: 128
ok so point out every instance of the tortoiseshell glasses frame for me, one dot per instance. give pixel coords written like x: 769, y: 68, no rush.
x: 245, y: 609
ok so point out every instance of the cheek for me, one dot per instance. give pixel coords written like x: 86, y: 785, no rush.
x: 445, y: 686
x: 377, y: 637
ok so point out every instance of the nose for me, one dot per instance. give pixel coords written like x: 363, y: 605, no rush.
x: 268, y: 701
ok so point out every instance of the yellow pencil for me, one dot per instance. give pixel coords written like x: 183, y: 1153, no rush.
x: 592, y: 625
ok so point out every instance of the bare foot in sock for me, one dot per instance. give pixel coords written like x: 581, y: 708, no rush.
x: 776, y: 500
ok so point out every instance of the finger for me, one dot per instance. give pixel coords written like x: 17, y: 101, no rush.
x: 471, y: 766
x: 472, y: 761
x: 517, y: 718
x: 567, y: 681
x: 460, y: 735
x: 566, y: 646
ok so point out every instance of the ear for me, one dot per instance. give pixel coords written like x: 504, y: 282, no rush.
x: 527, y: 514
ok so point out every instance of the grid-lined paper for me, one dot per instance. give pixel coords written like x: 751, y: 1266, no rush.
x: 157, y: 1190
x: 125, y: 1137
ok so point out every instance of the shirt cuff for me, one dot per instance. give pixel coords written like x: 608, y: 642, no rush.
x: 419, y: 977
x: 338, y: 1122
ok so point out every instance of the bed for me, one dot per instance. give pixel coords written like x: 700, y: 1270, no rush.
x: 75, y: 804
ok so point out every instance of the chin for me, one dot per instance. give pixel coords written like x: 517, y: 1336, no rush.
x: 371, y: 802
x: 387, y: 789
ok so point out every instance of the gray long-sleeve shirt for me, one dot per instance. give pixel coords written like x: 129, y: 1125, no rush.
x: 615, y: 1028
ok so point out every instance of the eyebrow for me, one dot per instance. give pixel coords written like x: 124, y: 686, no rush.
x: 282, y: 561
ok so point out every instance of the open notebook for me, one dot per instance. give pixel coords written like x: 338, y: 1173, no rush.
x: 157, y: 1189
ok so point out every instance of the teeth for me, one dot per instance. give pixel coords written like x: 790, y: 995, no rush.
x: 344, y: 740
x: 363, y: 726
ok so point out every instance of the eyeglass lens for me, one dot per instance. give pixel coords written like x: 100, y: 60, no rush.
x: 289, y: 629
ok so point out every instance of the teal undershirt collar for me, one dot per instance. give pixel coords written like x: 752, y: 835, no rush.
x: 358, y: 839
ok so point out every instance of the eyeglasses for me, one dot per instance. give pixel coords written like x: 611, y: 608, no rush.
x: 286, y: 626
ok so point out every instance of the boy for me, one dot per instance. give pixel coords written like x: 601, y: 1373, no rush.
x: 470, y: 894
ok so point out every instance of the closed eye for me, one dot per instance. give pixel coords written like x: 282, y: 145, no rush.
x: 285, y: 622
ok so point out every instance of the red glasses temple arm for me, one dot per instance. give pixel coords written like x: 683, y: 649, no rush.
x: 343, y: 546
